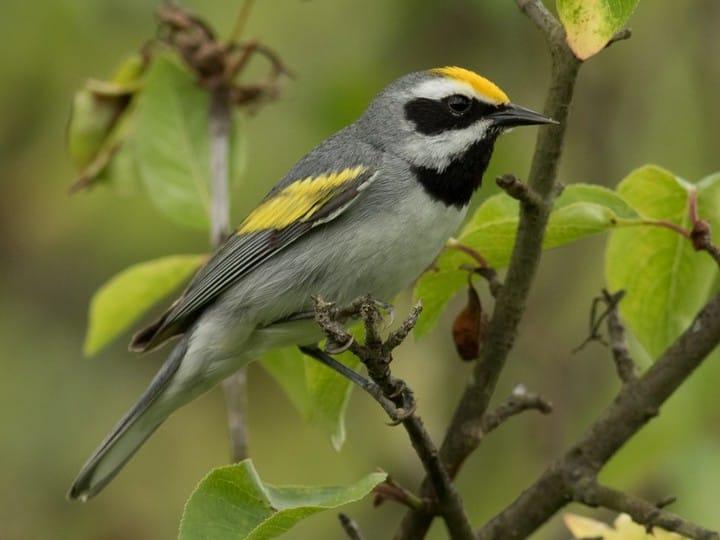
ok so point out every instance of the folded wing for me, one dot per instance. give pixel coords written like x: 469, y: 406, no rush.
x: 285, y: 215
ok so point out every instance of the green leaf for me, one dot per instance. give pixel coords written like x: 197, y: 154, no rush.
x: 590, y: 24
x: 582, y: 210
x: 436, y: 288
x: 172, y: 143
x: 232, y: 503
x: 126, y: 297
x: 665, y: 280
x: 319, y: 393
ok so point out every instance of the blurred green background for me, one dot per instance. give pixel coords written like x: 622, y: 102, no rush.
x: 652, y: 99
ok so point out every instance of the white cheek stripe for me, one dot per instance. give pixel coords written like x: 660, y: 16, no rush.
x: 438, y: 151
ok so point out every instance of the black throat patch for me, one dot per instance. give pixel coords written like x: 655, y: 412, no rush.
x: 456, y: 184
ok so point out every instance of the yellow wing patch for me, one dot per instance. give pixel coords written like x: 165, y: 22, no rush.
x: 485, y: 87
x: 298, y: 201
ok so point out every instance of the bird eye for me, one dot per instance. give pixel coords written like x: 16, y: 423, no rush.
x: 458, y: 104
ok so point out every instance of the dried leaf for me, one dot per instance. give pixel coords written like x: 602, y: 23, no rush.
x: 470, y: 327
x: 100, y: 119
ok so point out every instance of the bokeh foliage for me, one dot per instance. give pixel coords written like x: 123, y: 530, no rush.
x: 58, y: 251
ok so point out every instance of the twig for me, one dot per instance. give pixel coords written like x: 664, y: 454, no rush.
x: 234, y: 388
x: 483, y: 269
x: 518, y: 190
x: 391, y: 490
x: 592, y: 494
x: 518, y: 402
x: 376, y: 354
x: 624, y: 364
x: 220, y: 128
x: 595, y: 324
x: 454, y: 243
x: 491, y: 276
x: 215, y: 65
x: 350, y: 527
x: 241, y: 21
x: 536, y: 11
x: 664, y: 224
x: 700, y: 234
x: 635, y: 405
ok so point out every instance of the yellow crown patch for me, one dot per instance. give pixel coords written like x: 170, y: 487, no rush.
x: 485, y: 87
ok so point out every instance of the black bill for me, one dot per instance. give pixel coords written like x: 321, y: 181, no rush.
x: 512, y: 115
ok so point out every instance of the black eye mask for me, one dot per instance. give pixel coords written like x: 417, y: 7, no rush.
x: 433, y: 116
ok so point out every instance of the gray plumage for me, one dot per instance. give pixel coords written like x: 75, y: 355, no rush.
x: 377, y: 241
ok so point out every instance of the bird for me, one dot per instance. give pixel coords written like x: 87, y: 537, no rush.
x: 364, y: 212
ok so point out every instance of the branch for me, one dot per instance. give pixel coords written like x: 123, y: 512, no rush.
x: 510, y: 304
x: 624, y: 364
x: 376, y: 355
x: 518, y: 190
x: 483, y: 268
x: 536, y: 11
x: 635, y: 405
x: 241, y: 21
x: 700, y: 234
x: 518, y: 402
x: 641, y: 511
x: 220, y: 128
x: 350, y: 527
x: 391, y: 490
x: 216, y: 65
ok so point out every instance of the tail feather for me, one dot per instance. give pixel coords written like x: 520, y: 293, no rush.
x: 128, y: 435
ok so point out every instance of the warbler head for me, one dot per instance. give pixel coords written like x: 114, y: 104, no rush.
x: 444, y: 122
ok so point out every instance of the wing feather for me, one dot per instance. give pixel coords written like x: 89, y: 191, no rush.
x: 281, y: 219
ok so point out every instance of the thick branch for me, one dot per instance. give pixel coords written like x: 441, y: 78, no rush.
x: 635, y: 405
x: 651, y: 515
x: 523, y: 265
x: 510, y: 304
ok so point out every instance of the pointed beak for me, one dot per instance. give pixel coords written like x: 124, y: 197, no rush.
x: 512, y: 115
